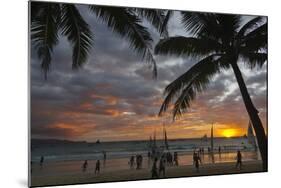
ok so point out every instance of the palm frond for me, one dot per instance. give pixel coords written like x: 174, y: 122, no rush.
x: 44, y: 32
x: 255, y: 41
x: 229, y: 25
x: 249, y: 26
x: 155, y: 17
x: 78, y: 33
x: 190, y: 83
x: 188, y: 46
x: 195, y: 22
x: 168, y: 16
x: 254, y: 59
x: 128, y: 25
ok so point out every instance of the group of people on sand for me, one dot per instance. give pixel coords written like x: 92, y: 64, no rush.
x: 159, y: 163
x: 197, y: 159
x: 138, y: 161
x: 97, y: 167
x: 200, y: 152
x: 165, y: 159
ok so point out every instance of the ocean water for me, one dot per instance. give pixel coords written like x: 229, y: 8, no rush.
x: 77, y: 151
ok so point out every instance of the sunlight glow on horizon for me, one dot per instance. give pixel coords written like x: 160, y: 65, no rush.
x: 228, y: 133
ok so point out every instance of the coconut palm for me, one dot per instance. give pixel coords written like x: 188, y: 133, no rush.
x: 48, y: 20
x: 220, y: 42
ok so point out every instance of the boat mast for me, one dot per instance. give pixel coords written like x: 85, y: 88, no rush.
x: 212, y: 138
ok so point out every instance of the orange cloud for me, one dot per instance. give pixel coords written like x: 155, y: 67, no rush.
x: 71, y: 130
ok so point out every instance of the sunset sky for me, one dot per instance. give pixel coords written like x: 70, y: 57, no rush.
x: 113, y: 97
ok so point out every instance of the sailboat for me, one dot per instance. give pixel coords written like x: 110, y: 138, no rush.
x: 204, y: 138
x: 212, y: 138
x: 212, y: 144
x: 250, y: 136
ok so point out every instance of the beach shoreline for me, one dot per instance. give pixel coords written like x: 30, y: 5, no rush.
x: 145, y: 174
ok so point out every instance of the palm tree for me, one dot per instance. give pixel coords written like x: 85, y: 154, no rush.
x: 220, y: 42
x: 50, y: 19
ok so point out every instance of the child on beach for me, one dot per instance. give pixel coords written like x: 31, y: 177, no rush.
x: 196, y: 160
x: 41, y: 161
x: 176, y: 158
x: 154, y: 173
x: 239, y: 160
x: 162, y: 166
x: 132, y: 161
x: 84, y: 166
x: 97, y: 169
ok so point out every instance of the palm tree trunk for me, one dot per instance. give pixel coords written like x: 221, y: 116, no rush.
x: 253, y: 114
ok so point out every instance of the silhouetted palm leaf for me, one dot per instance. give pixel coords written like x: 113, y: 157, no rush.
x: 48, y: 18
x: 191, y: 82
x: 195, y: 23
x: 249, y: 26
x: 254, y: 59
x: 128, y: 25
x: 44, y: 32
x: 168, y: 16
x: 188, y: 46
x: 78, y: 32
x: 155, y: 17
x: 255, y: 40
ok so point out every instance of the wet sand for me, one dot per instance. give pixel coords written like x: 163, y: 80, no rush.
x: 76, y: 176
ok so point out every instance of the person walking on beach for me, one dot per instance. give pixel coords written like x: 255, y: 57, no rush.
x: 176, y: 158
x: 154, y: 173
x: 148, y: 158
x: 239, y: 160
x: 194, y: 157
x: 132, y: 161
x: 84, y: 166
x: 162, y: 166
x: 97, y: 169
x: 138, y: 162
x: 41, y: 161
x: 196, y: 160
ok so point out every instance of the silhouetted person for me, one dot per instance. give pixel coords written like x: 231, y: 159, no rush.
x: 138, y: 161
x: 176, y: 158
x: 41, y: 161
x: 219, y: 149
x: 170, y: 158
x: 149, y: 154
x: 162, y: 166
x: 84, y: 166
x: 194, y: 157
x: 132, y: 161
x: 154, y: 173
x: 148, y: 158
x: 196, y: 160
x: 239, y: 160
x: 97, y: 169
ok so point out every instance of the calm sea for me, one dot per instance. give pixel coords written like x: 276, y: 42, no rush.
x: 72, y: 151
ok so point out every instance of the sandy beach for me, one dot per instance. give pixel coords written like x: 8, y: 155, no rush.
x: 133, y: 174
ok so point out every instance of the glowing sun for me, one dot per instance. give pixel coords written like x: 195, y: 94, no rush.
x: 229, y: 133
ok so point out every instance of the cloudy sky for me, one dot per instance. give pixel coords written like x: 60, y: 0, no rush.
x: 113, y: 97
